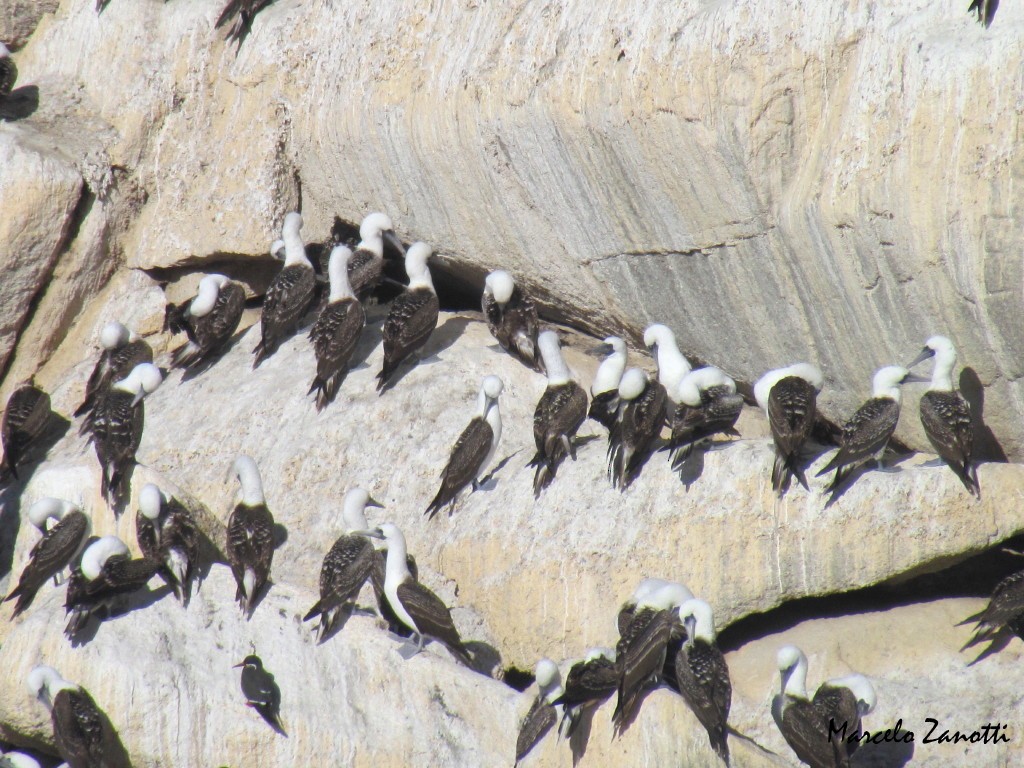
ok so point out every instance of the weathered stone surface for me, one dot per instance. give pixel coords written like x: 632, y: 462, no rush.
x: 18, y: 19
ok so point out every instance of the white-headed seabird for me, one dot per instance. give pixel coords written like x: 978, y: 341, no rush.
x: 707, y: 405
x: 604, y: 391
x: 348, y: 564
x: 512, y: 317
x: 209, y: 320
x: 672, y: 365
x: 26, y: 419
x: 289, y: 294
x: 19, y: 760
x: 702, y: 675
x: 543, y: 712
x: 642, y: 404
x: 844, y: 701
x: 627, y: 610
x: 122, y: 351
x: 473, y: 450
x: 80, y: 729
x: 412, y: 316
x: 336, y: 331
x: 106, y: 573
x: 8, y: 72
x: 115, y: 427
x: 590, y: 681
x: 789, y: 398
x: 416, y: 606
x: 366, y: 266
x: 1005, y: 610
x: 250, y: 536
x: 559, y: 413
x: 261, y: 691
x: 168, y: 534
x: 946, y: 416
x: 54, y: 551
x: 866, y: 434
x: 642, y: 650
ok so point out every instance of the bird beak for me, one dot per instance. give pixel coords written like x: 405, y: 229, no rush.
x: 913, y: 378
x: 373, y: 533
x: 925, y: 354
x: 138, y: 397
x: 239, y: 664
x: 601, y: 350
x: 691, y: 628
x: 392, y: 238
x: 371, y: 502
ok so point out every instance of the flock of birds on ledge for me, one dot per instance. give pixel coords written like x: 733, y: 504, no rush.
x: 666, y: 634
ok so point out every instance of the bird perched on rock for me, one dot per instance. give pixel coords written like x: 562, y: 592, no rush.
x: 8, y: 72
x: 115, y: 429
x: 52, y: 553
x: 168, y: 534
x: 366, y: 267
x: 702, y: 675
x: 604, y: 392
x: 209, y: 320
x: 473, y: 450
x: 416, y: 606
x: 81, y: 731
x: 1005, y: 610
x: 543, y: 712
x: 412, y: 317
x: 261, y: 692
x: 122, y: 351
x: 558, y: 415
x: 638, y: 424
x: 106, y: 574
x: 946, y: 416
x: 789, y: 398
x: 347, y: 566
x: 985, y: 10
x: 26, y: 419
x: 672, y: 365
x: 590, y: 681
x: 866, y: 434
x: 336, y: 331
x: 512, y: 317
x: 707, y: 405
x: 289, y: 295
x: 250, y: 536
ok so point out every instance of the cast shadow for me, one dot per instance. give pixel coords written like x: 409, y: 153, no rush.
x: 486, y: 658
x: 20, y: 103
x: 440, y: 340
x: 888, y: 754
x: 986, y: 446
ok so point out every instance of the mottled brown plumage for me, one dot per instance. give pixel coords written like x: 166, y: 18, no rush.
x: 113, y: 365
x: 946, y: 418
x: 250, y: 551
x: 556, y: 419
x: 173, y: 541
x: 411, y: 319
x: 1005, y: 609
x: 25, y: 420
x: 515, y: 326
x: 50, y: 555
x: 468, y: 457
x: 120, y: 576
x: 79, y: 730
x: 692, y: 424
x: 346, y: 567
x: 632, y: 438
x: 432, y: 618
x: 8, y: 73
x: 702, y: 678
x: 209, y: 333
x: 864, y: 437
x: 792, y: 409
x: 288, y: 298
x: 335, y: 335
x: 535, y: 725
x: 115, y: 427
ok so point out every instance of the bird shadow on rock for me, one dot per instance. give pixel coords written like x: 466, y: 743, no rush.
x: 205, y: 365
x: 888, y: 754
x: 996, y: 643
x: 280, y: 535
x: 114, y: 753
x: 691, y: 468
x: 439, y: 341
x: 135, y: 602
x: 10, y: 524
x: 486, y: 658
x: 20, y: 103
x: 580, y: 739
x: 489, y: 481
x: 987, y: 447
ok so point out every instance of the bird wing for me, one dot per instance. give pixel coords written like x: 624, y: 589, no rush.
x: 537, y: 723
x: 792, y: 407
x: 335, y: 335
x: 78, y: 727
x: 411, y: 320
x: 287, y: 300
x: 1006, y: 603
x: 346, y: 568
x: 560, y: 411
x: 432, y: 616
x: 214, y: 329
x: 946, y: 418
x: 55, y: 549
x: 641, y: 654
x: 590, y: 681
x: 867, y: 432
x: 364, y: 271
x: 250, y: 541
x: 806, y: 732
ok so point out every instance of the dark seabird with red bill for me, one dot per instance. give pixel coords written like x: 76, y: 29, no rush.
x: 209, y: 320
x: 250, y: 536
x: 336, y: 331
x: 122, y: 351
x: 412, y: 316
x: 512, y: 317
x: 168, y: 534
x: 789, y: 398
x: 261, y: 691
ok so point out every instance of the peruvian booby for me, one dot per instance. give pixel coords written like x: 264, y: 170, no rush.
x: 672, y: 365
x: 412, y: 317
x: 168, y: 534
x: 543, y: 712
x: 512, y: 317
x: 289, y: 295
x: 558, y: 415
x: 106, y: 573
x: 416, y: 606
x: 261, y: 691
x: 789, y: 398
x: 366, y: 266
x: 336, y: 331
x: 804, y: 723
x: 250, y: 536
x: 702, y: 675
x: 843, y: 702
x: 52, y: 553
x: 642, y: 650
x: 604, y: 392
x: 80, y: 730
x: 1005, y: 610
x: 122, y: 351
x: 209, y: 320
x: 348, y: 564
x: 8, y: 72
x: 946, y: 416
x: 985, y: 10
x: 26, y: 419
x: 627, y: 610
x: 707, y: 405
x: 115, y: 427
x: 638, y: 424
x: 866, y: 434
x: 473, y: 450
x: 377, y: 576
x: 589, y: 682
